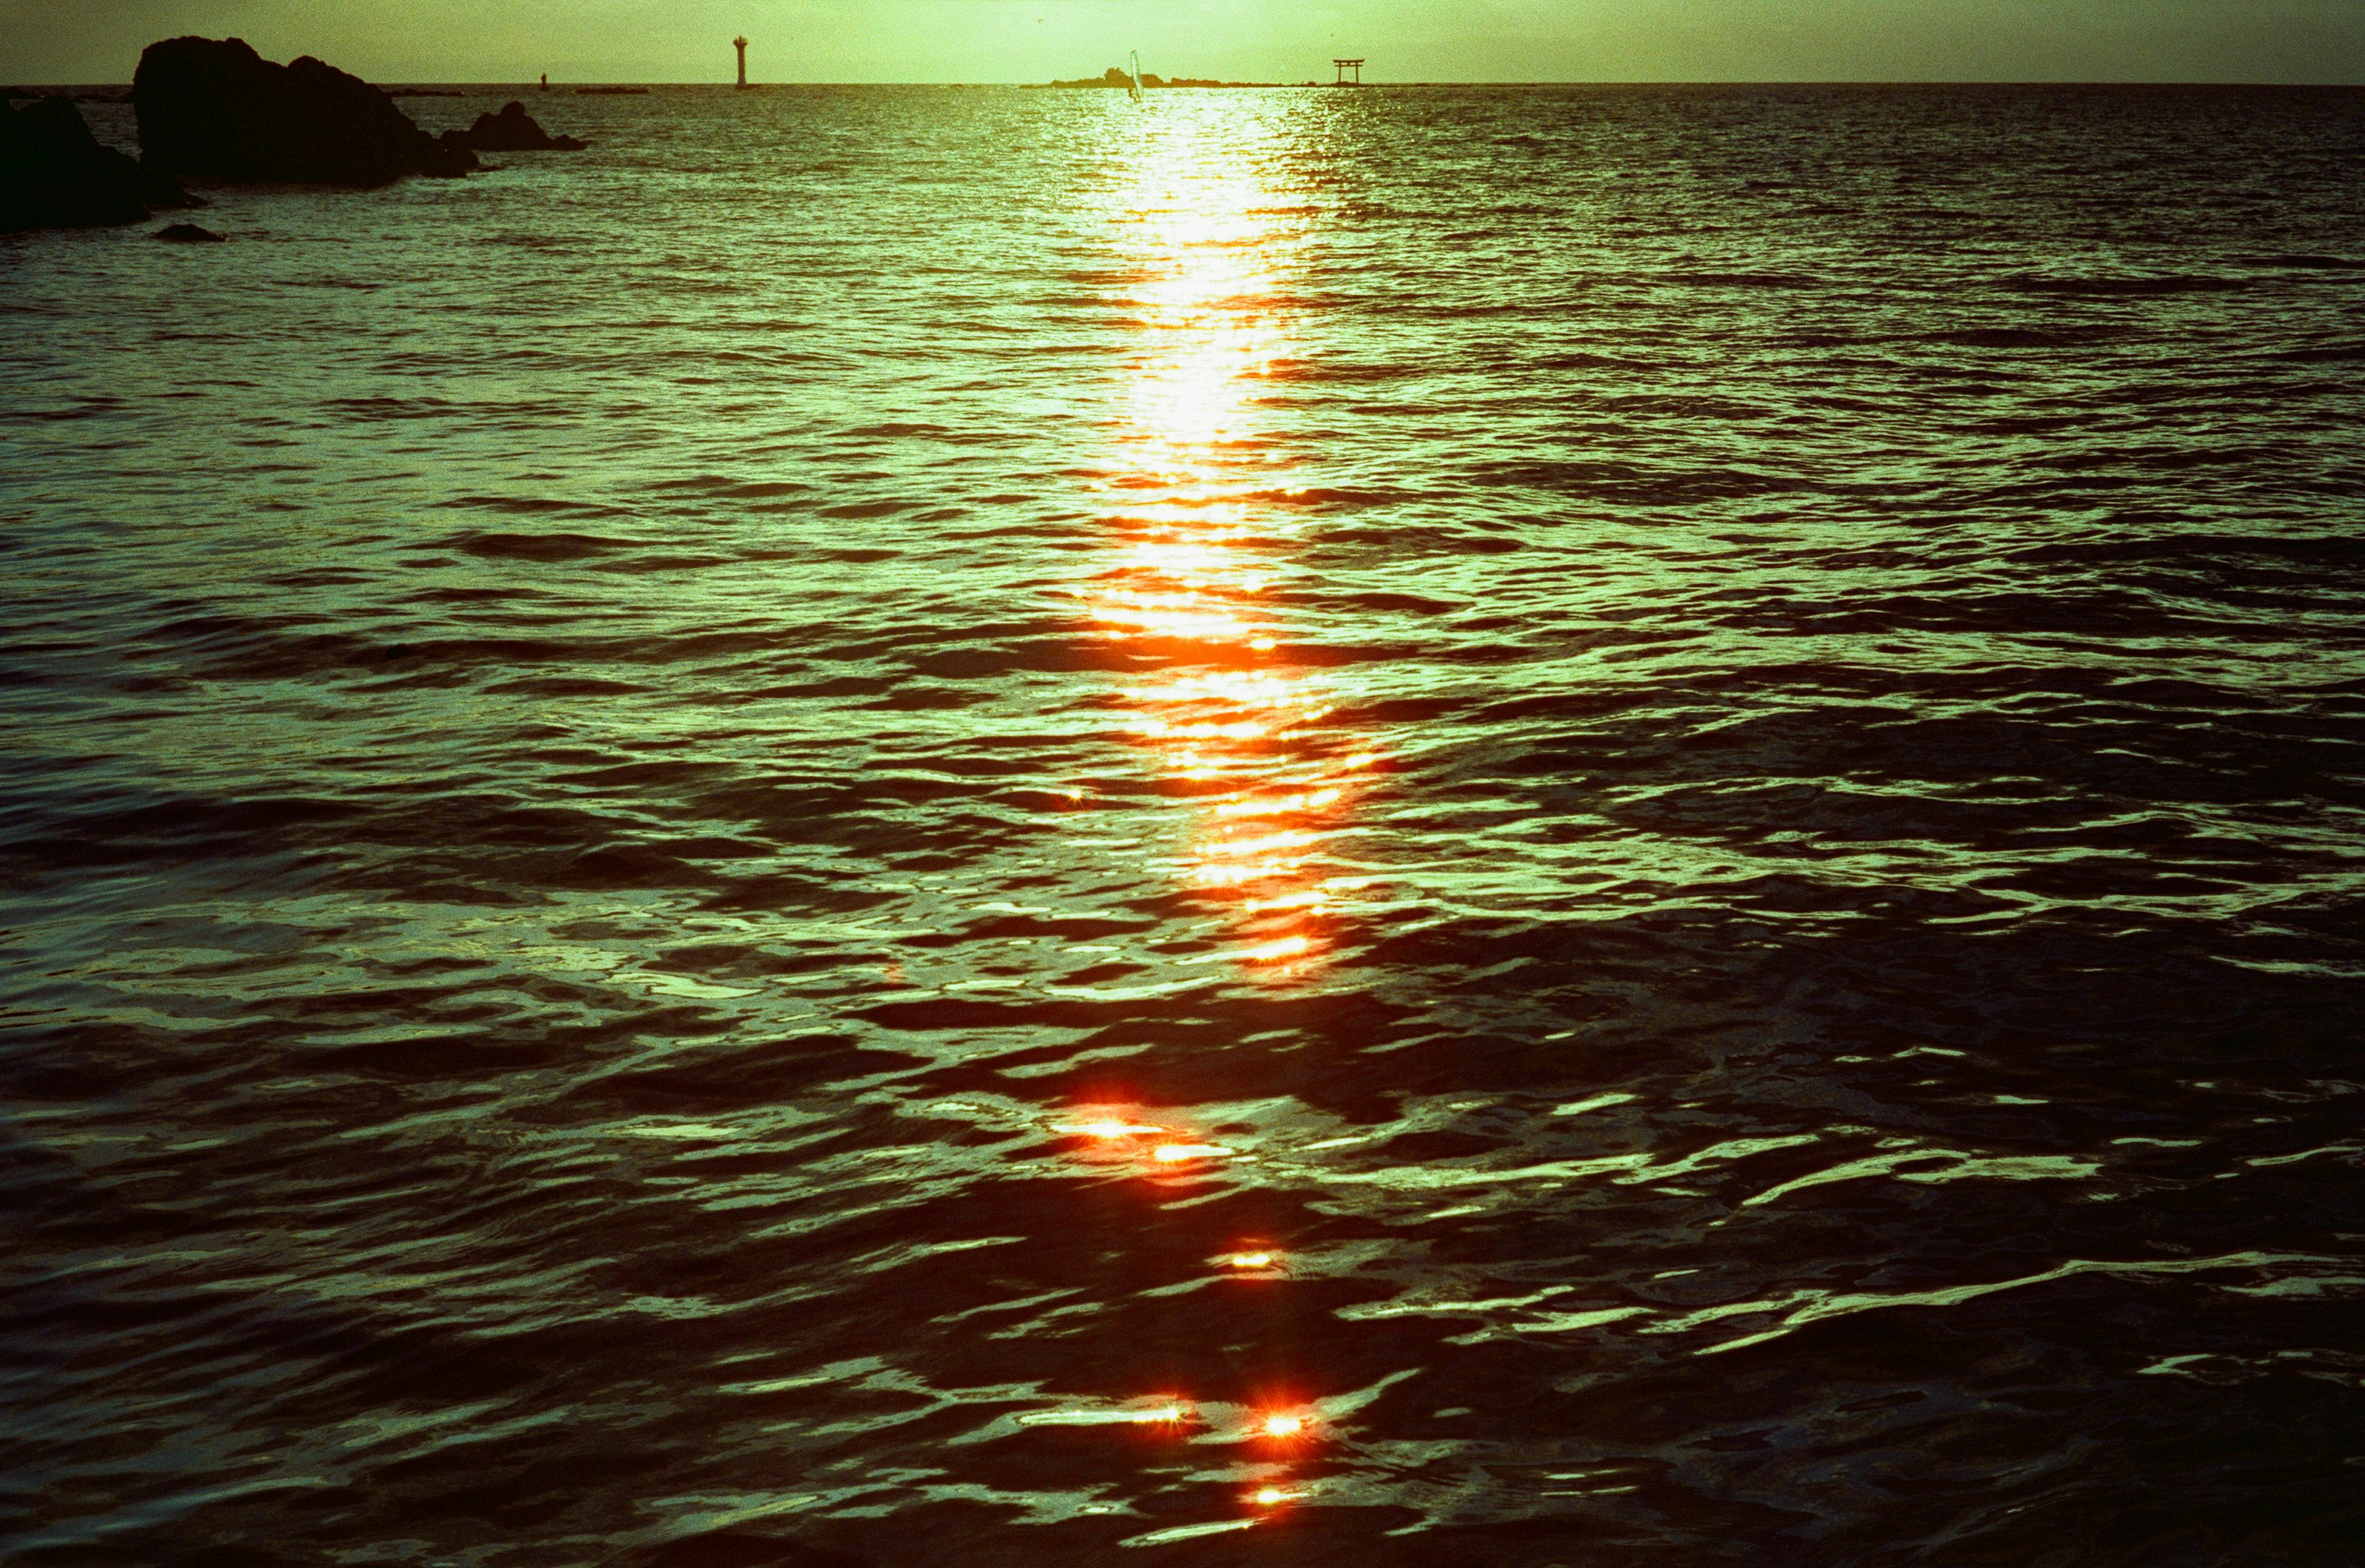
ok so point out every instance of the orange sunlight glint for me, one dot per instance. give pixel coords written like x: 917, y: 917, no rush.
x: 1233, y: 720
x: 1111, y: 1134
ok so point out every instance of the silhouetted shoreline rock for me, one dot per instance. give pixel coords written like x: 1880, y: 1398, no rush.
x: 55, y: 175
x: 215, y: 108
x: 187, y: 234
x: 511, y: 130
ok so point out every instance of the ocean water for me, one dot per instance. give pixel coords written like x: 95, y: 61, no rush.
x: 1428, y: 826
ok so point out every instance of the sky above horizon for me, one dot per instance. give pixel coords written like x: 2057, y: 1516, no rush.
x: 1406, y: 41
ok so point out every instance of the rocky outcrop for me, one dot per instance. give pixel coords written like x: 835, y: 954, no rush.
x: 511, y: 130
x: 55, y: 175
x: 213, y: 107
x: 187, y: 234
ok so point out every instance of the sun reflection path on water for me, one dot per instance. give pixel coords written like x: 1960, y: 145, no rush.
x: 1235, y: 724
x: 1239, y: 725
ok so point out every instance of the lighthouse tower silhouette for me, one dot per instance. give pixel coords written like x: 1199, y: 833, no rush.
x: 740, y: 44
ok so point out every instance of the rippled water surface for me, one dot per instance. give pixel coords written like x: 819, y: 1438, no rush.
x: 1409, y: 827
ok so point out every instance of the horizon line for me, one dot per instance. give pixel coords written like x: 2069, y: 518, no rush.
x: 530, y: 83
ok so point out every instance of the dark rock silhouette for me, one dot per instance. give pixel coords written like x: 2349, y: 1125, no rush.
x: 215, y: 108
x: 511, y: 130
x: 187, y: 234
x: 54, y: 173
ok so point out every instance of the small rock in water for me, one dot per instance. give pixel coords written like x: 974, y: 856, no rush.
x: 511, y: 130
x: 187, y: 234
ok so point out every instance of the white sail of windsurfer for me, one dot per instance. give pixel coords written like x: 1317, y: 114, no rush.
x: 1133, y: 88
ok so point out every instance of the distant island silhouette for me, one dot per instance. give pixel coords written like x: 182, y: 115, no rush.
x: 1115, y: 76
